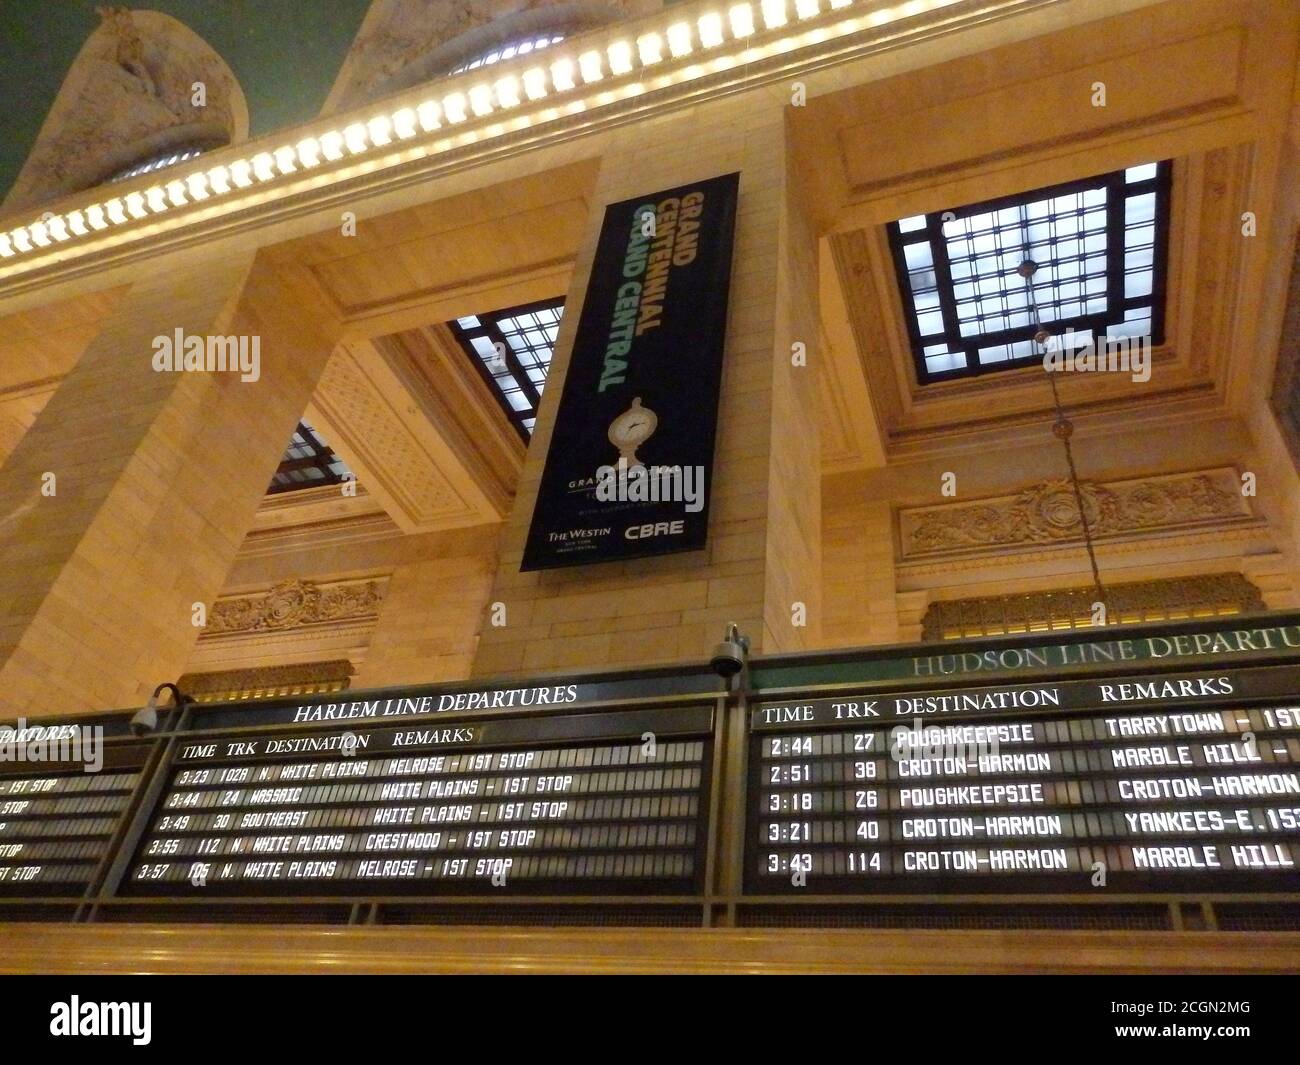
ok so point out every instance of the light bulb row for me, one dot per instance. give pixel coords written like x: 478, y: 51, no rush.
x: 679, y: 39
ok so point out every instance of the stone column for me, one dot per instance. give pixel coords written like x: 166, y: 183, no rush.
x: 155, y: 477
x: 763, y: 553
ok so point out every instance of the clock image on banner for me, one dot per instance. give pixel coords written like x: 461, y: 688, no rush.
x: 631, y: 454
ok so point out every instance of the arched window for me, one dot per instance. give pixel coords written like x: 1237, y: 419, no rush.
x: 156, y: 161
x: 126, y: 107
x: 508, y: 51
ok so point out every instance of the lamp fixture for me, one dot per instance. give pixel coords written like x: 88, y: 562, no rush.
x: 1062, y: 428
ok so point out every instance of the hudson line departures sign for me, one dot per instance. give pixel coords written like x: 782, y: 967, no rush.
x: 1151, y: 782
x: 630, y: 462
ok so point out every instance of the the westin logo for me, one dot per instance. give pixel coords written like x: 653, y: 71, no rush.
x: 133, y: 1019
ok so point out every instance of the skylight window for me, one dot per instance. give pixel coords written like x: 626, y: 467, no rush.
x: 512, y: 350
x: 1100, y: 246
x: 509, y: 51
x: 308, y: 462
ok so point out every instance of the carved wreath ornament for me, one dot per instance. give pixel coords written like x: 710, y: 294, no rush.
x: 1049, y: 513
x: 294, y: 603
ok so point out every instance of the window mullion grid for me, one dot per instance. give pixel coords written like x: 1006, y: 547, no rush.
x: 526, y: 318
x: 944, y: 289
x: 321, y: 454
x: 1162, y: 186
x: 494, y: 334
x: 1159, y: 186
x: 910, y: 321
x: 1116, y: 209
x: 1056, y: 309
x: 319, y: 457
x: 1026, y: 252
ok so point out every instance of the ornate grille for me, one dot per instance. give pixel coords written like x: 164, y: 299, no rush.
x: 268, y: 682
x: 1214, y: 595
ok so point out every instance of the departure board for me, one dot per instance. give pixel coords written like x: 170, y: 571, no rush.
x: 1147, y: 783
x: 58, y: 816
x: 594, y: 803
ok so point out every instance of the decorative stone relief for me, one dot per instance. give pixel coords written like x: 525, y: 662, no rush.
x: 1048, y: 513
x: 296, y: 603
x: 128, y: 94
x: 363, y: 425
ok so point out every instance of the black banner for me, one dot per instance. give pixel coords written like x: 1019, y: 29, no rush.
x: 630, y: 461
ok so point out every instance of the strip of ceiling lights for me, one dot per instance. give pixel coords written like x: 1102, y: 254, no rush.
x: 669, y: 49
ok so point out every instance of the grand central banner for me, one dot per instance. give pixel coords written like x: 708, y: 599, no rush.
x: 631, y: 457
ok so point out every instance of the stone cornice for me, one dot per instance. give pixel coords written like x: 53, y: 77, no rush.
x: 314, y: 506
x: 365, y: 528
x: 65, y: 245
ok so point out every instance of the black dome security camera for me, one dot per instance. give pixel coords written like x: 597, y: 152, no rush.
x: 730, y: 655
